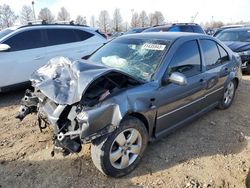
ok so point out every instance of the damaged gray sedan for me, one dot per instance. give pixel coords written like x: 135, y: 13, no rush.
x: 134, y: 89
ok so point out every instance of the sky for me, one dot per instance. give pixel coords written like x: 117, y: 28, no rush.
x: 173, y: 10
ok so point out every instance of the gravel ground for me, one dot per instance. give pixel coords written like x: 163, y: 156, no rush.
x: 213, y: 151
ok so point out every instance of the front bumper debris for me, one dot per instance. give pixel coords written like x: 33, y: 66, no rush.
x: 72, y: 127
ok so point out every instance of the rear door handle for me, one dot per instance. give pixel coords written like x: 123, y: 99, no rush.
x: 226, y: 70
x: 38, y: 57
x: 203, y: 81
x: 80, y: 51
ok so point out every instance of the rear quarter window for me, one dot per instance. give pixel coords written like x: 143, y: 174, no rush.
x: 61, y: 36
x: 83, y: 35
x: 223, y: 54
x: 198, y: 29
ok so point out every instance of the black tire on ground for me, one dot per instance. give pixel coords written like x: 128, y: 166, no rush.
x: 102, y: 148
x: 248, y: 68
x: 223, y: 103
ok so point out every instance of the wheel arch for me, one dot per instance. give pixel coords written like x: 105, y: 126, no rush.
x: 237, y: 81
x: 140, y: 117
x: 233, y: 77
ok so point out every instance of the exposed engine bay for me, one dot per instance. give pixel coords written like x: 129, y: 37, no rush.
x: 78, y: 99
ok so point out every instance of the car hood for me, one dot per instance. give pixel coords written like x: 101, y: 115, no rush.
x: 238, y: 46
x: 65, y: 81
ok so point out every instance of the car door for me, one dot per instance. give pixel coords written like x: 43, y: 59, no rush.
x: 26, y: 54
x: 176, y: 104
x: 71, y: 43
x: 217, y: 67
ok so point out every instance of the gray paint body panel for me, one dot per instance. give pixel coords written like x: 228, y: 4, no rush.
x: 164, y: 107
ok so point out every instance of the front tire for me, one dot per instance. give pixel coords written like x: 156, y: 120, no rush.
x: 228, y: 95
x: 119, y: 153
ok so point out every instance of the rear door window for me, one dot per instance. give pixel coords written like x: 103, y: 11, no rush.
x: 26, y: 40
x: 186, y: 28
x: 175, y: 29
x: 61, y: 36
x: 186, y: 60
x: 211, y: 53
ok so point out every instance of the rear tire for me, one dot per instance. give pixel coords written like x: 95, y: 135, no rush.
x: 119, y: 153
x: 228, y: 95
x: 248, y: 68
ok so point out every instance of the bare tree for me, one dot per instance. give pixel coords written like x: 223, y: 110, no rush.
x: 81, y: 20
x: 63, y: 15
x: 26, y: 15
x: 151, y: 19
x: 158, y: 18
x: 92, y: 21
x: 7, y: 16
x: 143, y: 19
x: 214, y: 24
x: 45, y: 14
x: 135, y: 20
x: 126, y: 26
x: 104, y: 21
x: 117, y: 20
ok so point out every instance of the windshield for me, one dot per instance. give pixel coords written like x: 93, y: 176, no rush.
x: 237, y: 35
x: 136, y: 57
x: 5, y: 32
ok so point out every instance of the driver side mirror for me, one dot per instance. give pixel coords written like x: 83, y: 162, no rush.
x: 176, y: 78
x: 4, y: 47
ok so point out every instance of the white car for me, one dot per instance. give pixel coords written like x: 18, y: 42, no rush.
x: 25, y: 49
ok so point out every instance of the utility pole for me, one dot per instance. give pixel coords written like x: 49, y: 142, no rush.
x: 33, y: 7
x: 194, y: 17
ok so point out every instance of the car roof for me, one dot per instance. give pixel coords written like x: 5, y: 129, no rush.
x: 137, y: 28
x: 170, y: 36
x: 232, y: 26
x: 238, y: 29
x: 166, y: 26
x: 54, y: 26
x: 157, y: 28
x: 16, y: 29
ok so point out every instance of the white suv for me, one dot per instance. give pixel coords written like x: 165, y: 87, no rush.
x: 25, y: 49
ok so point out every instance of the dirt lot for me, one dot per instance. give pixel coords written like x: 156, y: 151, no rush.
x: 214, y: 151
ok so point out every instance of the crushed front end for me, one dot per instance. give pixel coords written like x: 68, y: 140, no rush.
x: 71, y: 97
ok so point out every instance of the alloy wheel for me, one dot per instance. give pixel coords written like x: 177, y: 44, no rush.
x: 125, y: 148
x: 229, y: 93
